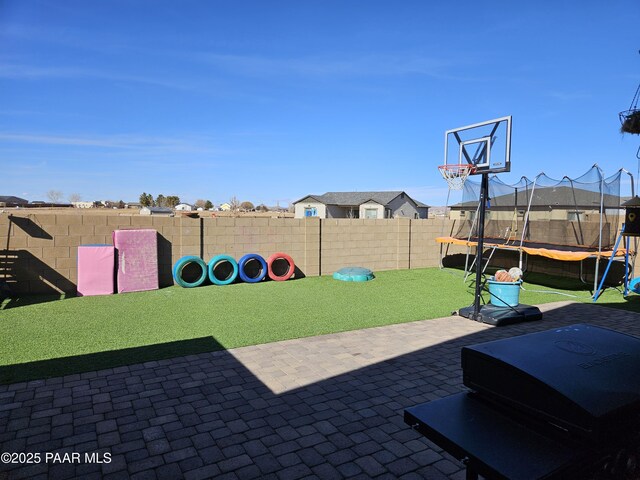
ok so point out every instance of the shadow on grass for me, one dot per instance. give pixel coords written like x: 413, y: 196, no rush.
x: 551, y: 281
x: 23, y: 300
x: 98, y: 361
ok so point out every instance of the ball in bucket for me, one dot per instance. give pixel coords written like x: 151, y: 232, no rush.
x: 504, y: 288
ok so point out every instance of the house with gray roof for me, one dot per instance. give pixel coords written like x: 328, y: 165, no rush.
x: 163, y: 211
x: 360, y: 205
x: 12, y: 201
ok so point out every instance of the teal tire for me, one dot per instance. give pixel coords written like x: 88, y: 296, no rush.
x: 215, y: 262
x: 180, y: 265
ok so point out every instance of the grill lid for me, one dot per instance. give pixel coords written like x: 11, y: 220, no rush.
x: 583, y: 378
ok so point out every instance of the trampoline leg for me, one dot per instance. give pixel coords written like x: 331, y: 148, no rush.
x: 626, y: 266
x: 604, y: 276
x: 583, y: 279
x: 520, y: 260
x: 467, y: 268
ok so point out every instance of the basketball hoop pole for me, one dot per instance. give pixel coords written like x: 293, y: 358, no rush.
x: 484, y: 194
x: 493, y: 155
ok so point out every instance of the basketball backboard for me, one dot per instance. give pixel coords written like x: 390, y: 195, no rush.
x: 486, y: 146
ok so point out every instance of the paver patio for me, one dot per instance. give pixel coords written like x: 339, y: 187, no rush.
x: 321, y: 407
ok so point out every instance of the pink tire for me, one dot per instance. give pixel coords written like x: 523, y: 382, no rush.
x: 275, y: 275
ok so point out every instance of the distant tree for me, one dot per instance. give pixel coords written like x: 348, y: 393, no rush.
x: 161, y: 201
x: 200, y: 203
x: 262, y: 208
x: 54, y: 196
x: 74, y: 197
x: 246, y: 206
x: 234, y: 203
x: 291, y: 208
x: 146, y: 200
x: 208, y: 205
x: 172, y: 201
x: 121, y: 204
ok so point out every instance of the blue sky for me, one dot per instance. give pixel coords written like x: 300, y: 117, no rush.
x: 271, y: 100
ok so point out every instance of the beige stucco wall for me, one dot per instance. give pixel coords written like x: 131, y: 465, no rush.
x: 38, y: 252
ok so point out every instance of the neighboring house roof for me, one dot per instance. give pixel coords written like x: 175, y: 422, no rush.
x: 13, y: 199
x: 350, y: 199
x: 158, y: 209
x: 317, y: 198
x: 371, y: 200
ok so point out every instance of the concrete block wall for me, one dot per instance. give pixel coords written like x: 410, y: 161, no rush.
x: 373, y: 244
x: 299, y: 238
x: 424, y: 250
x: 38, y: 251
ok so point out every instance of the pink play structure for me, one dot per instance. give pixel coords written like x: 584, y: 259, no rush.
x: 137, y: 266
x: 96, y: 270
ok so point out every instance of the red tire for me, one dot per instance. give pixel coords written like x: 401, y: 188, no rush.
x: 280, y: 256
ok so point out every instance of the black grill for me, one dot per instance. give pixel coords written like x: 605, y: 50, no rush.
x: 566, y: 400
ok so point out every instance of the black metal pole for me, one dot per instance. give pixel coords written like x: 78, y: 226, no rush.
x: 484, y: 194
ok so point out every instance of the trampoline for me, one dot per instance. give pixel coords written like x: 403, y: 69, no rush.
x: 569, y: 253
x: 572, y: 219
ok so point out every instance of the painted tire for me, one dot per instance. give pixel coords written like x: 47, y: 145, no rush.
x: 182, y: 263
x: 242, y: 265
x: 291, y: 267
x: 214, y: 262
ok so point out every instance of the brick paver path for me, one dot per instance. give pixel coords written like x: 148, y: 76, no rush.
x: 322, y: 407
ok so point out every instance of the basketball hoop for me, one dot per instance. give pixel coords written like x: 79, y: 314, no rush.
x: 456, y: 174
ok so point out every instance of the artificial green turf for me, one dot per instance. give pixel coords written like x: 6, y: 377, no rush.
x: 88, y: 333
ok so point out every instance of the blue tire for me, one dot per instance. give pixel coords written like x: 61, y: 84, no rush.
x: 182, y: 263
x: 214, y: 262
x: 242, y: 265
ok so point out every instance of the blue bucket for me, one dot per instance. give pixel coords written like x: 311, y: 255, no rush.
x: 504, y: 294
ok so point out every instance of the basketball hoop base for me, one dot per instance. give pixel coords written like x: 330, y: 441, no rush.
x: 500, y: 316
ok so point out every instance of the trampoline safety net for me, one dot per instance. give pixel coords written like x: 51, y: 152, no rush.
x: 582, y: 212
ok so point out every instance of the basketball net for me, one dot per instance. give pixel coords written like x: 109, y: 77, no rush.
x: 456, y: 174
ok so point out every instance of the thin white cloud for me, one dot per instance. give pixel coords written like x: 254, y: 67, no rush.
x: 328, y: 66
x: 17, y: 71
x: 148, y: 144
x: 570, y: 96
x: 202, y: 84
